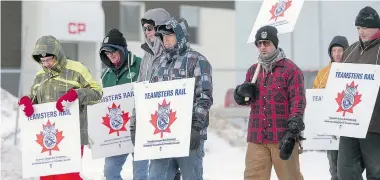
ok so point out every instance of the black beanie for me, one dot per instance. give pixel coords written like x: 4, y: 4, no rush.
x: 115, y: 37
x: 368, y: 18
x: 267, y: 33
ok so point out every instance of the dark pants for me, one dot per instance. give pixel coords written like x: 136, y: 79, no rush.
x: 355, y: 155
x: 191, y: 167
x: 332, y: 155
x: 178, y: 175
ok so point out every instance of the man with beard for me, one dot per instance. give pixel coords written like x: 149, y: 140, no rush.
x: 277, y: 100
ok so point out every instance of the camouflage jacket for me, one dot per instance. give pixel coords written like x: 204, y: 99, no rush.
x: 50, y: 84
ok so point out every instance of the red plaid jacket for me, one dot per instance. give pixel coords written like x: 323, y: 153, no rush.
x: 281, y: 96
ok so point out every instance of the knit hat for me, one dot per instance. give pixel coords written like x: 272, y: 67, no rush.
x: 114, y: 37
x: 368, y: 18
x: 267, y: 33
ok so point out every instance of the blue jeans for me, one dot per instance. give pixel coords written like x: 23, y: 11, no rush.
x: 191, y: 166
x: 113, y: 166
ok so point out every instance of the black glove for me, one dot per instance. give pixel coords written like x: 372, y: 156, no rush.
x: 195, y: 139
x: 245, y: 90
x: 295, y: 126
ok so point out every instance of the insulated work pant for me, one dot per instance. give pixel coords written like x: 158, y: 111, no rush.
x: 260, y: 158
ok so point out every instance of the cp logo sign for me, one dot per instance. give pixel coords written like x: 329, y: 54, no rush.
x: 76, y: 28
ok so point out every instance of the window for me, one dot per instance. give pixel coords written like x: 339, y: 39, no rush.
x: 130, y: 15
x: 10, y: 80
x: 191, y: 14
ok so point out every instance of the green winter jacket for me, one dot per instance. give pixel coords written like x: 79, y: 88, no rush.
x: 127, y: 73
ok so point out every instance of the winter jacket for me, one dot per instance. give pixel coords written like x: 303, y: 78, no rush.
x: 127, y: 72
x: 367, y: 53
x: 183, y: 62
x: 155, y: 49
x: 323, y: 75
x: 152, y: 52
x: 50, y: 85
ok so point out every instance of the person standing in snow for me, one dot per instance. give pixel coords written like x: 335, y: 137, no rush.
x: 123, y: 67
x: 356, y: 154
x: 153, y: 48
x: 277, y: 100
x: 335, y: 51
x: 180, y: 62
x: 61, y: 79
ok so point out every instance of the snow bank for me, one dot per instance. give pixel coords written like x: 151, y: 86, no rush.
x: 10, y: 154
x: 8, y: 114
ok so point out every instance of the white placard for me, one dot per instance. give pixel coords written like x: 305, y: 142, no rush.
x: 282, y: 14
x: 313, y: 121
x: 164, y: 115
x: 108, y: 122
x: 50, y: 140
x: 349, y: 99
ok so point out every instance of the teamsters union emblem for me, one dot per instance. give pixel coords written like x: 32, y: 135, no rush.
x: 116, y: 119
x: 348, y: 98
x: 279, y: 9
x: 49, y: 137
x: 163, y: 118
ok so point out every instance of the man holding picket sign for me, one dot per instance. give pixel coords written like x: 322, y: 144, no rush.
x: 356, y: 154
x: 335, y: 50
x: 153, y: 49
x: 181, y: 62
x: 274, y: 89
x: 64, y: 81
x: 122, y: 68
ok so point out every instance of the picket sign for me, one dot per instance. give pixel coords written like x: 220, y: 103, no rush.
x: 349, y: 100
x: 282, y: 14
x: 109, y: 120
x: 313, y: 121
x: 50, y: 140
x: 164, y: 114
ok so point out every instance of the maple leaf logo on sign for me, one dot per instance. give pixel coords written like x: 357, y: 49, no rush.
x: 116, y: 119
x: 49, y: 138
x: 279, y: 9
x: 163, y: 118
x: 348, y: 98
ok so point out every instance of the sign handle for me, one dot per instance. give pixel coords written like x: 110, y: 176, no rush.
x: 254, y: 78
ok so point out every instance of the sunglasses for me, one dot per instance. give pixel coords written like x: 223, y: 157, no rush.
x: 149, y: 27
x: 265, y: 43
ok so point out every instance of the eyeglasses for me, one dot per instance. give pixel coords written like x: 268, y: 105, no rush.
x: 149, y: 27
x: 109, y: 52
x: 46, y: 59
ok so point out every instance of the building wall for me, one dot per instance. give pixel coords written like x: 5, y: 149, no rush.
x: 318, y: 23
x: 10, y: 45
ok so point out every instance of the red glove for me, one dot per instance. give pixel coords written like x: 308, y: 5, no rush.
x: 70, y: 96
x: 28, y: 104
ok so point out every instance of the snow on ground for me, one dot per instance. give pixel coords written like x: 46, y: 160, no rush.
x: 222, y: 160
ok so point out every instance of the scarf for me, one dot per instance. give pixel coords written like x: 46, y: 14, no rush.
x: 268, y: 62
